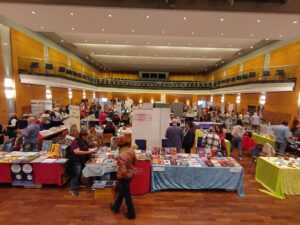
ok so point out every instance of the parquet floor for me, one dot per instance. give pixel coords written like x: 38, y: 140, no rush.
x: 55, y: 206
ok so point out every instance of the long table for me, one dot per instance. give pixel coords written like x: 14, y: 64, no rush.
x: 262, y: 140
x: 278, y: 180
x: 195, y: 178
x: 205, y: 125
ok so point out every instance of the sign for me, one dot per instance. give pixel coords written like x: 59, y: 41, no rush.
x: 74, y: 116
x: 39, y: 106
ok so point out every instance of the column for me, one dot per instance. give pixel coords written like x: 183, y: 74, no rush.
x: 163, y: 98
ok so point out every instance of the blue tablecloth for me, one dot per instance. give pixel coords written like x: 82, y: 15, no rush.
x: 179, y: 177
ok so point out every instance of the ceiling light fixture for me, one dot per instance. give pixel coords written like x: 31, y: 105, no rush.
x: 251, y: 46
x: 87, y: 57
x: 184, y: 18
x: 71, y: 13
x: 132, y: 30
x: 85, y: 41
x: 162, y: 31
x: 222, y: 19
x: 147, y: 17
x: 102, y: 29
x: 267, y: 39
x: 42, y: 27
x: 258, y: 20
x: 109, y: 15
x: 193, y: 33
x: 209, y: 45
x: 148, y: 43
x: 33, y: 12
x: 222, y: 34
x: 92, y: 53
x: 280, y: 35
x: 295, y: 21
x: 251, y: 35
x: 62, y: 41
x: 73, y: 28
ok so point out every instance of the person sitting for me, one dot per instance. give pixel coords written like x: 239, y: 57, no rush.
x: 248, y: 142
x: 188, y: 137
x: 92, y: 138
x: 174, y: 134
x: 30, y: 135
x: 110, y: 128
x: 211, y: 140
x: 116, y: 120
x: 79, y: 155
x: 126, y: 162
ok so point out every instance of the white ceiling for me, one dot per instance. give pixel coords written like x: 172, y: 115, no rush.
x: 148, y: 39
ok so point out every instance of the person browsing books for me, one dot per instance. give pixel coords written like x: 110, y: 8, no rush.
x: 188, y: 137
x: 174, y: 134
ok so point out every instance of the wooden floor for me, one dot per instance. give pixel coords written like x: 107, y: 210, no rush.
x: 53, y: 205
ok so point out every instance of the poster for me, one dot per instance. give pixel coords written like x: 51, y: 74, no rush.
x: 74, y: 117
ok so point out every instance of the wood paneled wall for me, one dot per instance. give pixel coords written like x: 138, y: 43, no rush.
x: 3, y: 109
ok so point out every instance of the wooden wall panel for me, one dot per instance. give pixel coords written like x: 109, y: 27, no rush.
x: 3, y: 109
x: 248, y: 99
x: 77, y: 97
x: 257, y: 62
x: 57, y: 56
x: 233, y: 70
x: 60, y: 96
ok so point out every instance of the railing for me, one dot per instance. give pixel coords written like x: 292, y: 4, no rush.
x: 285, y: 73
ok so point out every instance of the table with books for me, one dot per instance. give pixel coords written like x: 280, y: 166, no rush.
x: 31, y: 169
x: 171, y: 170
x: 280, y: 176
x: 262, y: 139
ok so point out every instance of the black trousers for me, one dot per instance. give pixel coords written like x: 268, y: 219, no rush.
x: 124, y: 192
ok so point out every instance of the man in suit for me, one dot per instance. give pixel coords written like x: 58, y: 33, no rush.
x: 188, y: 137
x: 174, y: 135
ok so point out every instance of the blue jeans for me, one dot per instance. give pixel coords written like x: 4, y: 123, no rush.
x: 281, y: 146
x: 236, y: 143
x: 76, y: 171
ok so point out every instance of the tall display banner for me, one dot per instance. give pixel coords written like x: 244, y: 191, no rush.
x: 74, y: 117
x: 150, y: 125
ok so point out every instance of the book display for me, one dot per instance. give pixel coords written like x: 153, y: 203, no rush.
x: 172, y: 170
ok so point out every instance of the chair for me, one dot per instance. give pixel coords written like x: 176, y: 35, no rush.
x: 252, y: 74
x: 245, y: 76
x: 239, y: 77
x: 34, y: 65
x: 280, y: 73
x: 266, y: 73
x: 165, y: 143
x: 141, y: 143
x: 49, y: 66
x: 233, y: 79
x: 199, y: 142
x: 106, y: 138
x: 61, y: 69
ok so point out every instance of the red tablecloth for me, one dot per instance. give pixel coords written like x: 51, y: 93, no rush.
x: 140, y: 183
x: 48, y: 173
x: 5, y: 174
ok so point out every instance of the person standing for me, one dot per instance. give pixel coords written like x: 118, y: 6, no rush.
x: 30, y: 135
x: 282, y: 135
x: 12, y: 127
x: 255, y: 122
x: 246, y: 119
x: 78, y: 157
x: 126, y: 162
x: 237, y: 135
x: 188, y: 137
x: 211, y: 140
x: 219, y: 131
x: 174, y: 134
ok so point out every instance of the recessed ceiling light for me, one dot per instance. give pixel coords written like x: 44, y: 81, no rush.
x: 102, y: 29
x: 62, y: 40
x: 71, y: 13
x: 295, y: 21
x: 258, y: 20
x: 184, y: 18
x: 251, y: 35
x: 162, y: 31
x: 239, y: 53
x: 148, y: 43
x: 216, y: 64
x: 251, y: 46
x: 222, y: 19
x: 169, y: 43
x: 189, y: 44
x: 106, y: 42
x: 280, y: 35
x: 87, y: 57
x: 222, y: 34
x: 209, y: 45
x: 267, y: 39
x: 42, y: 27
x: 92, y: 53
x: 147, y: 17
x: 73, y: 28
x: 222, y: 61
x: 193, y: 32
x: 132, y: 30
x: 33, y: 12
x: 109, y: 15
x: 85, y: 41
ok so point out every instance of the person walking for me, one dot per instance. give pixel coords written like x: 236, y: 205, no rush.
x: 126, y: 162
x: 282, y: 135
x: 237, y: 135
x: 174, y: 135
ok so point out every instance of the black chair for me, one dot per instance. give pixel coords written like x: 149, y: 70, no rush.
x: 165, y: 143
x: 245, y: 76
x: 141, y: 143
x: 34, y: 65
x: 233, y: 79
x: 69, y: 72
x: 252, y: 74
x: 280, y: 73
x: 228, y: 80
x: 266, y: 73
x: 49, y: 66
x: 61, y: 69
x: 239, y: 77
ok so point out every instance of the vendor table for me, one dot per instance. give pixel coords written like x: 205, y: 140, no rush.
x: 49, y: 173
x: 278, y: 180
x: 261, y: 140
x: 87, y: 122
x: 181, y: 177
x: 97, y: 170
x: 5, y: 174
x: 49, y: 134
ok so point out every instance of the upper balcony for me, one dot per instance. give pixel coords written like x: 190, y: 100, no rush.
x: 54, y: 69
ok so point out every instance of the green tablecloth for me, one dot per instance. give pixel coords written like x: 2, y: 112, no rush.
x: 200, y: 133
x: 278, y: 180
x: 261, y: 140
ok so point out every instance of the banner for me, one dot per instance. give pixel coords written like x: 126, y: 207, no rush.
x: 74, y: 112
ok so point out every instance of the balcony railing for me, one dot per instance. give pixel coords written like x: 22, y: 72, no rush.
x: 35, y: 66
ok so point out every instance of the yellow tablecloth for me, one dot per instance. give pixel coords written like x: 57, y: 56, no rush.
x: 261, y: 140
x: 278, y: 180
x: 200, y: 133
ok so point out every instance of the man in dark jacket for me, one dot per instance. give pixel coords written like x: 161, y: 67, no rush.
x: 188, y: 137
x: 174, y: 135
